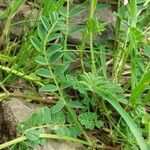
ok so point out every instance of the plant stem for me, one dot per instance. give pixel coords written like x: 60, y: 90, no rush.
x: 67, y: 107
x: 46, y: 136
x: 67, y: 26
x: 118, y: 25
x: 116, y: 46
x: 92, y: 53
x: 81, y: 49
x: 93, y: 4
x: 62, y: 98
x: 12, y: 142
x: 20, y: 74
x: 24, y: 96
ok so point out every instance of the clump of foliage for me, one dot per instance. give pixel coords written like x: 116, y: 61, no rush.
x: 99, y: 92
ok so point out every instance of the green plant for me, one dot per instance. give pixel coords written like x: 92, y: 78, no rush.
x: 96, y: 102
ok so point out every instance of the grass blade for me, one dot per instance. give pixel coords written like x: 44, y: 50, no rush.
x: 127, y: 118
x: 143, y: 83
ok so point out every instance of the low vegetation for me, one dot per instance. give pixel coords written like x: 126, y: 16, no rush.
x: 100, y: 88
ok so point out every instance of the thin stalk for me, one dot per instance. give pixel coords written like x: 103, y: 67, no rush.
x: 92, y: 53
x: 118, y: 25
x: 39, y: 99
x: 62, y: 98
x: 12, y: 10
x: 6, y: 29
x: 81, y: 50
x: 116, y: 45
x: 64, y: 101
x: 5, y: 58
x: 93, y: 4
x: 121, y: 60
x: 46, y: 136
x: 20, y: 74
x: 67, y: 25
x: 12, y: 142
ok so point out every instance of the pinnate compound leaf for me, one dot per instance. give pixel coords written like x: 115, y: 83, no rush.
x: 55, y: 47
x: 43, y: 73
x: 54, y: 36
x: 99, y: 123
x: 45, y: 23
x: 54, y: 53
x: 41, y: 60
x: 76, y: 11
x: 59, y: 118
x: 32, y: 135
x: 56, y: 21
x: 70, y: 56
x: 69, y: 118
x: 42, y: 32
x: 75, y: 104
x: 20, y: 146
x: 95, y: 26
x: 47, y: 115
x: 60, y: 26
x: 48, y: 88
x: 98, y: 88
x: 59, y: 106
x: 40, y: 117
x: 85, y: 120
x: 61, y: 68
x: 55, y: 57
x: 59, y: 4
x: 54, y: 17
x: 103, y: 6
x: 88, y: 119
x: 32, y: 144
x: 76, y: 29
x: 75, y: 131
x: 36, y: 43
x: 64, y: 131
x: 42, y: 141
x: 22, y: 127
x: 33, y: 119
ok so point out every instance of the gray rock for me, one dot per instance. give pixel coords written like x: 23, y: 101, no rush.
x: 15, y: 111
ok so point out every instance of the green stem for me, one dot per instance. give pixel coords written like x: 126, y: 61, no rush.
x: 67, y: 26
x: 121, y: 59
x: 116, y: 46
x: 67, y: 107
x: 53, y: 136
x: 12, y: 142
x: 93, y: 4
x: 92, y: 53
x: 118, y: 25
x: 81, y: 50
x: 62, y: 98
x: 46, y: 136
x: 20, y: 74
x: 39, y: 99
